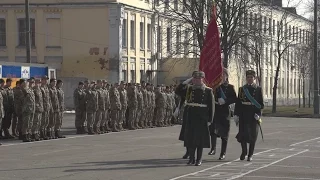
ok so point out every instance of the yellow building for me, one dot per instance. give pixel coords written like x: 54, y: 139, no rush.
x: 93, y: 39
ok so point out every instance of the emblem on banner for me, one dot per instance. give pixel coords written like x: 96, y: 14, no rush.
x: 25, y: 72
x: 0, y: 71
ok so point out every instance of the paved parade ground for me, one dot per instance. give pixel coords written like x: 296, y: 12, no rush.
x: 291, y: 150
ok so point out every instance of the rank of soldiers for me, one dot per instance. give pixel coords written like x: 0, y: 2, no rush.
x: 33, y: 109
x: 102, y: 107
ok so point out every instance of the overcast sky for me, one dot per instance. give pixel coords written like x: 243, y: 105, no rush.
x: 303, y: 6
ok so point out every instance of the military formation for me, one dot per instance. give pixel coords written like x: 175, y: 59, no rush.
x: 33, y: 109
x: 102, y: 107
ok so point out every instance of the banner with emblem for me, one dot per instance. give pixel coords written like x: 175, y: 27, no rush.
x: 0, y: 71
x: 25, y: 72
x: 210, y: 56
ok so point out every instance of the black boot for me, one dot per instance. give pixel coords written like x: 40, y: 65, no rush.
x: 224, y: 144
x: 251, y: 150
x: 7, y: 134
x: 213, y: 145
x: 186, y: 155
x: 58, y: 135
x: 199, y: 156
x: 192, y: 152
x: 25, y: 138
x: 29, y: 136
x: 90, y: 131
x: 244, y: 151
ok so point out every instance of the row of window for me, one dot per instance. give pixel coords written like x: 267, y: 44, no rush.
x: 21, y: 32
x: 291, y: 86
x: 144, y: 76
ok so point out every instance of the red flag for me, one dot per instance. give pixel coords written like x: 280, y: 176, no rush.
x: 210, y: 56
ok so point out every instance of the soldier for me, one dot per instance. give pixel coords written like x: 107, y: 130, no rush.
x: 124, y: 104
x: 1, y: 109
x: 91, y: 106
x: 17, y: 103
x: 87, y: 87
x: 148, y: 106
x: 132, y: 106
x: 8, y: 104
x: 115, y: 107
x: 140, y: 107
x: 101, y: 108
x: 80, y: 106
x: 143, y: 123
x: 166, y: 105
x: 106, y: 115
x: 199, y: 115
x: 47, y: 107
x: 55, y: 109
x: 160, y: 107
x: 38, y: 111
x: 60, y: 93
x: 3, y: 93
x: 28, y: 109
x: 225, y: 95
x: 247, y: 114
x: 153, y: 106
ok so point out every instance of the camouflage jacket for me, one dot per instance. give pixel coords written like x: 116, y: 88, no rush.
x: 123, y: 98
x: 115, y: 99
x: 92, y: 100
x: 132, y: 97
x: 38, y: 99
x: 140, y: 100
x: 47, y: 106
x: 55, y: 106
x: 101, y: 99
x: 107, y: 98
x: 9, y: 103
x: 29, y: 101
x: 60, y: 94
x: 18, y: 100
x: 1, y: 107
x: 79, y: 96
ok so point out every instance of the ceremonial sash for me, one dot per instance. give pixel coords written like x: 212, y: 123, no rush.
x: 251, y: 99
x: 222, y: 94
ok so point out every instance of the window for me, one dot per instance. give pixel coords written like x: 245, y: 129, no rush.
x: 53, y: 37
x: 265, y: 24
x: 22, y: 32
x: 159, y: 45
x: 178, y: 41
x: 266, y: 85
x: 3, y: 32
x: 289, y: 32
x: 124, y: 31
x: 270, y: 26
x: 274, y: 27
x: 186, y: 42
x: 175, y: 4
x: 149, y: 34
x: 142, y: 33
x: 133, y: 32
x: 141, y: 75
x: 271, y: 85
x: 293, y: 33
x: 149, y: 76
x: 133, y: 76
x: 166, y: 4
x: 124, y: 75
x: 169, y: 34
x: 157, y: 2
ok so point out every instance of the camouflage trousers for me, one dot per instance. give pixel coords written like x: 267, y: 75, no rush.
x: 105, y: 118
x: 150, y: 115
x: 53, y: 117
x: 169, y: 113
x: 98, y: 119
x: 91, y: 116
x: 132, y: 116
x: 160, y: 114
x: 115, y: 116
x: 44, y: 120
x: 27, y: 122
x: 58, y: 124
x: 36, y: 123
x: 143, y: 116
x: 122, y: 118
x: 80, y: 118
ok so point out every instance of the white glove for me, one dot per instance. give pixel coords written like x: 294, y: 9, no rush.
x: 209, y: 123
x: 221, y: 101
x: 187, y: 81
x: 256, y: 116
x: 236, y: 120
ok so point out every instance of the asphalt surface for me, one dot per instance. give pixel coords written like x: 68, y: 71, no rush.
x: 291, y: 150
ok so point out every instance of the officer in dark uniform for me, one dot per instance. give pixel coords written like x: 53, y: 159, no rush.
x: 225, y: 95
x: 199, y: 115
x: 247, y: 114
x: 181, y: 91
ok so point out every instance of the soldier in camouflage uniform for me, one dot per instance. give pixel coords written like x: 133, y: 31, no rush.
x: 1, y: 108
x: 38, y: 111
x: 55, y: 109
x: 149, y: 106
x: 143, y: 122
x: 87, y: 86
x: 115, y: 107
x: 28, y: 109
x: 160, y: 107
x: 106, y: 114
x: 124, y: 104
x: 132, y: 106
x: 101, y: 108
x: 80, y: 108
x: 140, y: 107
x: 91, y: 106
x: 47, y: 106
x: 3, y: 93
x: 17, y: 103
x: 60, y: 93
x: 8, y: 104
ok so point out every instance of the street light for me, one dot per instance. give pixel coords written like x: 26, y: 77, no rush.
x: 315, y: 67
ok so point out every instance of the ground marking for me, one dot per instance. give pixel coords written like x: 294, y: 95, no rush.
x: 270, y: 164
x: 179, y: 177
x: 285, y: 177
x: 304, y: 141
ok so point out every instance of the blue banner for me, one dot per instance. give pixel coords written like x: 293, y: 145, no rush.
x: 23, y: 71
x: 11, y: 71
x: 38, y: 72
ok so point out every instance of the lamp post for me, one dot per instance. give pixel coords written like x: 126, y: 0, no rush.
x: 315, y: 56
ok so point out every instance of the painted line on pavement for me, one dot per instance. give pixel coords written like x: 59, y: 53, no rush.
x: 179, y: 177
x: 304, y: 141
x: 285, y: 177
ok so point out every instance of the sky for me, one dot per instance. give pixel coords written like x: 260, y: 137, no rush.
x: 303, y: 6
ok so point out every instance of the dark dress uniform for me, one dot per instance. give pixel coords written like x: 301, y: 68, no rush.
x: 248, y: 124
x: 221, y: 122
x: 199, y: 111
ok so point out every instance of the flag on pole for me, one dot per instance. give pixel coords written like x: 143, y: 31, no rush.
x: 210, y: 56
